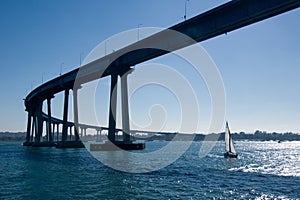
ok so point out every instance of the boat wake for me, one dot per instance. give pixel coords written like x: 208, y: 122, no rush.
x: 267, y: 169
x: 214, y: 156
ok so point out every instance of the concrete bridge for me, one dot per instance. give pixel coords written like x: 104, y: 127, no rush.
x: 225, y: 18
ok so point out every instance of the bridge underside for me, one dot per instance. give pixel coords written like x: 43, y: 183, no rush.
x: 220, y: 20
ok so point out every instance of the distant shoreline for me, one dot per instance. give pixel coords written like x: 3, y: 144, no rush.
x: 12, y: 136
x: 256, y: 136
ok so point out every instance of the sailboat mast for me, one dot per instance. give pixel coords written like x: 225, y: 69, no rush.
x: 229, y: 136
x: 229, y: 141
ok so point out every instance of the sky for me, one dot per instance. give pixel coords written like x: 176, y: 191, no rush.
x: 259, y: 64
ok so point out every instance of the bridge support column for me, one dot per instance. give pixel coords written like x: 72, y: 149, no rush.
x: 83, y: 133
x: 34, y: 128
x: 57, y: 133
x: 98, y: 134
x: 113, y: 108
x: 39, y: 117
x: 49, y: 127
x: 97, y: 137
x: 28, y: 127
x: 65, y: 116
x: 125, y: 110
x: 75, y: 108
x: 53, y: 131
x: 71, y: 132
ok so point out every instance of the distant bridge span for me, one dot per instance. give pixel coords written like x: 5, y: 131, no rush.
x: 82, y: 128
x: 225, y: 18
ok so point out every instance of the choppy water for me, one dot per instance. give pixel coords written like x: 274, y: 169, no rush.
x: 264, y: 170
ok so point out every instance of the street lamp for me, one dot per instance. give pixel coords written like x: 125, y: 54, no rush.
x: 80, y: 58
x: 61, y: 68
x: 185, y: 2
x: 139, y: 31
x: 31, y: 84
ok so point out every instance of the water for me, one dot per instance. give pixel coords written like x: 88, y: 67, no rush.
x: 264, y: 170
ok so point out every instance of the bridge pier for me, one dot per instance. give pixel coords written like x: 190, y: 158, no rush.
x: 75, y: 110
x: 28, y: 127
x: 125, y: 109
x: 99, y: 134
x: 84, y: 130
x: 83, y: 133
x: 64, y: 140
x: 113, y: 108
x: 49, y: 127
x: 53, y: 131
x: 70, y: 132
x: 57, y: 132
x: 34, y: 128
x: 65, y: 116
x: 39, y: 118
x: 125, y: 143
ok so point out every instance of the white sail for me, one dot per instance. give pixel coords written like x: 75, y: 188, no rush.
x: 227, y: 138
x: 232, y: 149
x: 228, y: 141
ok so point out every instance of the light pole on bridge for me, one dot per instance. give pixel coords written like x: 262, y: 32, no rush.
x: 139, y: 25
x: 80, y: 59
x: 185, y: 5
x: 61, y: 68
x: 31, y: 84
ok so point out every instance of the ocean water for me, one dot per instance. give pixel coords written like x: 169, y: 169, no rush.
x: 264, y: 170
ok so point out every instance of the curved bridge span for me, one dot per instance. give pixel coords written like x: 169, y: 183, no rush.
x: 225, y: 18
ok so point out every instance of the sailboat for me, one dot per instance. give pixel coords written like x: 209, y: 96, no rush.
x: 230, y: 150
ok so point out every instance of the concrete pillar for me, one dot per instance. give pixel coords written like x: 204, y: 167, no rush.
x: 125, y: 110
x: 39, y: 117
x: 49, y: 127
x: 75, y: 108
x: 100, y: 134
x: 53, y: 131
x: 47, y: 130
x: 28, y: 127
x: 71, y: 133
x: 65, y: 116
x: 32, y: 128
x: 113, y: 108
x: 35, y: 127
x: 57, y: 133
x: 97, y: 138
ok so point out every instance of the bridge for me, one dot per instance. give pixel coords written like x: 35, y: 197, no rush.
x: 220, y: 20
x: 53, y: 135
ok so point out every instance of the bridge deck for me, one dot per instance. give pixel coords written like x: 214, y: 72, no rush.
x: 220, y: 20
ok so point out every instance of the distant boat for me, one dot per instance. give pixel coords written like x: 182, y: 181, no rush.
x: 230, y: 150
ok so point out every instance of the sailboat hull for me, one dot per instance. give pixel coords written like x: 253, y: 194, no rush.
x: 230, y: 155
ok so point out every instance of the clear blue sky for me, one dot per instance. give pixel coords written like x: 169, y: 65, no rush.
x: 259, y: 64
